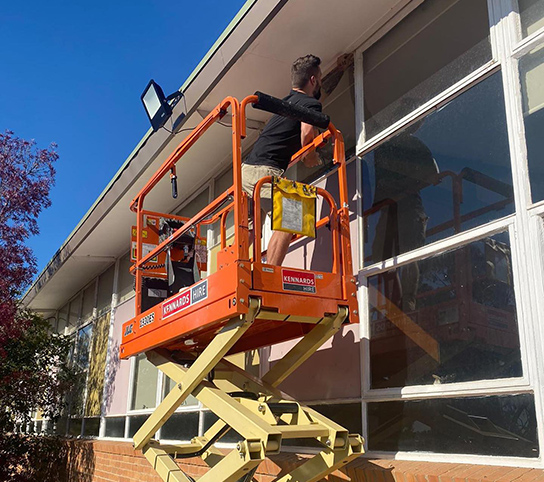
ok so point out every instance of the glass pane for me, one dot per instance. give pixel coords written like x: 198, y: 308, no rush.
x: 438, y: 44
x: 134, y: 424
x: 346, y: 414
x: 75, y: 427
x: 83, y: 346
x: 63, y: 319
x: 88, y: 302
x: 531, y: 69
x: 92, y: 427
x: 105, y: 290
x: 73, y: 315
x: 145, y: 384
x: 500, y: 425
x: 60, y: 426
x: 126, y: 280
x: 77, y: 393
x: 115, y: 427
x: 181, y: 426
x: 449, y: 318
x: 169, y: 384
x: 230, y: 437
x: 444, y: 174
x: 531, y: 13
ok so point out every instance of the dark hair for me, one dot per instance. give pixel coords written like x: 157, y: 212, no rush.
x: 302, y: 69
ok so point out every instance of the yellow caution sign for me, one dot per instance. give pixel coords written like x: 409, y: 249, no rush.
x: 293, y: 207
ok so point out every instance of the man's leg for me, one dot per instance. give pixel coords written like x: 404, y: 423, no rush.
x: 278, y: 247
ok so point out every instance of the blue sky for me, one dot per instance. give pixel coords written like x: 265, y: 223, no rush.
x: 73, y: 72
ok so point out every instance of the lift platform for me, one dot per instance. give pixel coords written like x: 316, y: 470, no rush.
x: 186, y: 326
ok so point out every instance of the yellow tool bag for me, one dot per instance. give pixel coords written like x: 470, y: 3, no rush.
x: 293, y: 207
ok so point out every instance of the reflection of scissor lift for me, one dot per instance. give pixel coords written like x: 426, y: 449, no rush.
x: 244, y: 305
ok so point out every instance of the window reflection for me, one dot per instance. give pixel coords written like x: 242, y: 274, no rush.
x: 531, y: 13
x: 442, y: 175
x: 437, y: 45
x: 532, y: 76
x: 456, y: 322
x: 144, y: 384
x: 500, y: 426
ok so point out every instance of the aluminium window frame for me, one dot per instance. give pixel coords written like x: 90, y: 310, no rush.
x: 525, y: 228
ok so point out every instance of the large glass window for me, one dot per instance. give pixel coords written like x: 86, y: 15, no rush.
x: 445, y: 319
x: 444, y: 174
x: 144, y: 393
x: 531, y: 13
x: 531, y: 68
x: 169, y: 384
x: 499, y: 426
x: 437, y: 45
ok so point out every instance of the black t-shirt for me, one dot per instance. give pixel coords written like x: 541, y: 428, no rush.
x: 280, y: 138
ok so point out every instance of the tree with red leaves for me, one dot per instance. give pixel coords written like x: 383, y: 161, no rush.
x: 33, y: 362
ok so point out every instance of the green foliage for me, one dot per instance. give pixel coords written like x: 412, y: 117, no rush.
x: 34, y: 372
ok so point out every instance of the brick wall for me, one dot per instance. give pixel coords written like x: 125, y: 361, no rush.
x: 101, y: 461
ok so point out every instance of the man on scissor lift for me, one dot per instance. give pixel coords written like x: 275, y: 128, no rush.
x: 281, y: 138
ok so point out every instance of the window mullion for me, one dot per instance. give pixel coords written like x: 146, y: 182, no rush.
x: 523, y: 244
x: 441, y: 246
x: 433, y: 104
x: 475, y: 388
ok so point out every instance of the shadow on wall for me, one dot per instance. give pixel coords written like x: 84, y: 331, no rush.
x: 111, y: 371
x: 30, y: 458
x: 337, y: 375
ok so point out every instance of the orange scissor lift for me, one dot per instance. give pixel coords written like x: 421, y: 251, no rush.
x: 244, y: 305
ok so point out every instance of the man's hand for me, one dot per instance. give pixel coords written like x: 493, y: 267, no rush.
x: 312, y: 159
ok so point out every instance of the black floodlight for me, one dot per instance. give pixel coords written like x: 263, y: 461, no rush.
x: 156, y: 105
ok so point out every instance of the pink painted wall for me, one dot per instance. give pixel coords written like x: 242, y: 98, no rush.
x: 334, y: 371
x: 117, y: 387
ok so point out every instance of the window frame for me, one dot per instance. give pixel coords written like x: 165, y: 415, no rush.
x: 525, y: 232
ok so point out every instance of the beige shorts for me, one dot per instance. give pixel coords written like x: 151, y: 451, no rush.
x: 251, y: 174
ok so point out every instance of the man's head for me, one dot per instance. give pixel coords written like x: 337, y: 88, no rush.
x: 306, y: 75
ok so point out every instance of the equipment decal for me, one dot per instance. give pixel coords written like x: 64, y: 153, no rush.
x: 128, y: 330
x: 185, y: 299
x: 298, y: 281
x: 147, y: 320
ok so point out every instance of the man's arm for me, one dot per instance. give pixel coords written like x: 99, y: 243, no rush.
x: 307, y: 135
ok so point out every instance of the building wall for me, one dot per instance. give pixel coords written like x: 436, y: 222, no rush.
x: 442, y: 115
x: 103, y: 461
